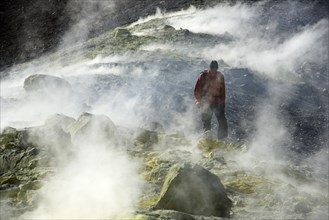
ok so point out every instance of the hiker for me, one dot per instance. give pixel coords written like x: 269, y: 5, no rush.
x: 209, y: 95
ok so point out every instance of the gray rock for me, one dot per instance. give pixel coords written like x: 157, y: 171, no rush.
x: 60, y: 120
x: 47, y: 84
x: 194, y: 190
x: 92, y: 128
x: 168, y: 28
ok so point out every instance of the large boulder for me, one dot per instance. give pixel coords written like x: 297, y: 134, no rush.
x: 92, y: 128
x: 194, y: 190
x: 47, y: 84
x: 52, y: 138
x: 59, y: 120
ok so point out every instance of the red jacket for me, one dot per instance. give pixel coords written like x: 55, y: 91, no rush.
x: 214, y: 88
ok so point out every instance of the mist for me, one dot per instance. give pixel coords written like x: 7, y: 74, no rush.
x: 258, y: 43
x: 92, y: 185
x: 101, y: 180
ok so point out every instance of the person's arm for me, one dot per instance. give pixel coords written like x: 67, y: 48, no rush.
x: 224, y: 92
x: 197, y: 90
x: 223, y: 89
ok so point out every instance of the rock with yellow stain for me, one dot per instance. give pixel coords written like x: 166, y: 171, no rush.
x: 194, y: 190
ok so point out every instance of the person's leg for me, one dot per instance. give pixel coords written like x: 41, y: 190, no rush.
x: 206, y: 117
x: 219, y: 110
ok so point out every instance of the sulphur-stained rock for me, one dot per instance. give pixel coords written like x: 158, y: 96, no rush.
x: 17, y: 159
x: 172, y: 214
x: 121, y: 32
x: 194, y: 190
x: 9, y: 193
x: 12, y: 138
x: 164, y: 215
x: 94, y: 128
x: 146, y: 138
x: 9, y: 180
x: 20, y: 148
x: 46, y: 84
x: 31, y: 185
x: 50, y: 135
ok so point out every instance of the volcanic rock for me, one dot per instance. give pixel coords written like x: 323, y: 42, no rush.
x: 60, y: 120
x: 93, y: 128
x: 194, y: 190
x: 46, y: 84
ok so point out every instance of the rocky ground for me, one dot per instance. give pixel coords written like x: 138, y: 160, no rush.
x: 28, y: 160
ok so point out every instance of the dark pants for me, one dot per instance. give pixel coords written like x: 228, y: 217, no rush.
x: 219, y: 110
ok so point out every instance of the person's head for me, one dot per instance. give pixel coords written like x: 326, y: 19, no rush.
x: 213, y: 65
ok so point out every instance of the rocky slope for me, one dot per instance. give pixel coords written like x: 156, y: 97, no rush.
x: 27, y: 166
x: 32, y: 28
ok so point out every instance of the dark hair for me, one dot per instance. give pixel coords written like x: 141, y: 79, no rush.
x: 213, y: 65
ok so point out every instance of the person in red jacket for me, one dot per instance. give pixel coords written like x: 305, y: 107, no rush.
x: 209, y: 95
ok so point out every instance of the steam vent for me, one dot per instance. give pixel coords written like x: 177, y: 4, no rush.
x: 164, y: 109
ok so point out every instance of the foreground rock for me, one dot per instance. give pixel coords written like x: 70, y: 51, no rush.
x: 16, y: 150
x: 47, y: 84
x: 27, y: 156
x: 194, y: 190
x: 92, y: 128
x: 20, y: 148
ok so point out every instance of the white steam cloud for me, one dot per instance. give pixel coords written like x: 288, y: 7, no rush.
x: 266, y: 48
x: 255, y: 44
x: 88, y: 15
x: 262, y: 47
x: 98, y: 183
